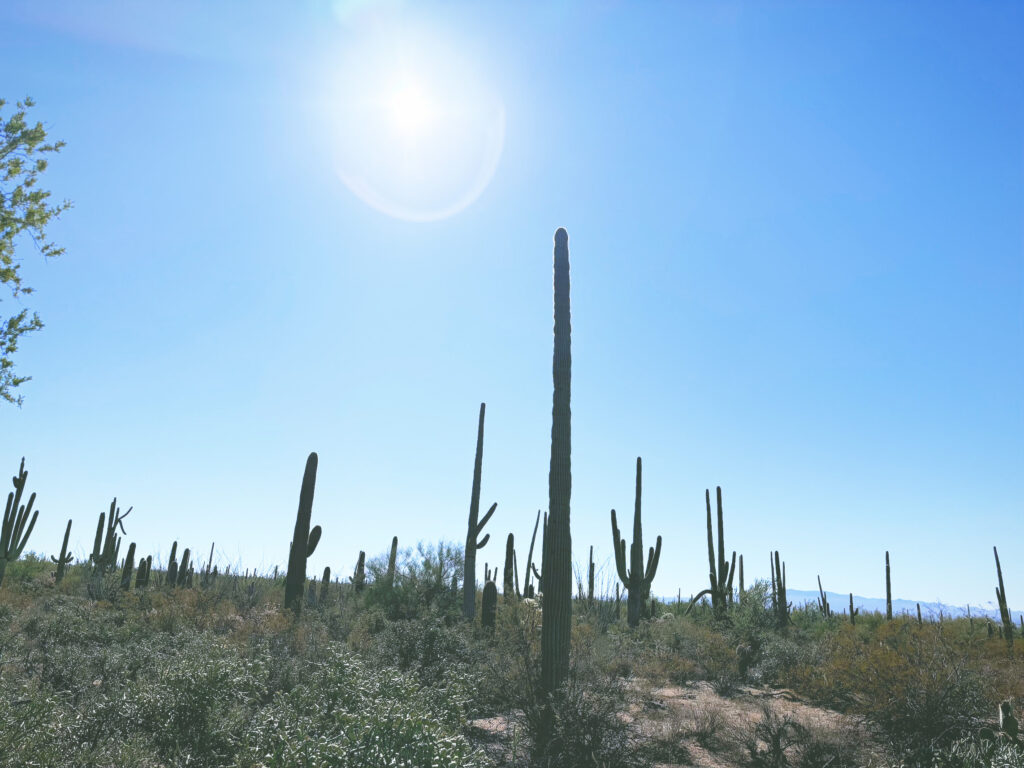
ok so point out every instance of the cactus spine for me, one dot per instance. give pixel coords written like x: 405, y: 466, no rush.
x: 1004, y: 611
x: 13, y: 535
x: 304, y: 540
x: 508, y: 575
x: 888, y: 589
x: 557, y: 562
x: 636, y: 579
x: 64, y: 559
x: 474, y: 529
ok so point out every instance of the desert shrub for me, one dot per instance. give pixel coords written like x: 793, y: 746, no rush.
x: 427, y: 648
x: 585, y: 727
x: 917, y: 688
x: 423, y: 578
x: 347, y: 714
x: 772, y: 736
x: 974, y: 752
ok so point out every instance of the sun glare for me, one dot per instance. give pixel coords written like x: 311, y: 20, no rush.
x: 412, y: 111
x: 416, y: 130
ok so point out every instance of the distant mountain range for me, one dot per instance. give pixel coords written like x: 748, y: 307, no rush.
x: 929, y: 610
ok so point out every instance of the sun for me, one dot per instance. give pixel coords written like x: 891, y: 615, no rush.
x: 416, y: 129
x: 412, y: 111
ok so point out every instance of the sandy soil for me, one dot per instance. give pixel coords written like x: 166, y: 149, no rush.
x: 692, y: 725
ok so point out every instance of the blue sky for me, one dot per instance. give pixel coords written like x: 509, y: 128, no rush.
x: 797, y: 246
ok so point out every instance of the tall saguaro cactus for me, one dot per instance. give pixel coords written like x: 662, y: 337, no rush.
x: 13, y: 535
x: 636, y: 578
x: 557, y: 565
x: 475, y: 528
x: 720, y: 572
x: 888, y: 590
x: 1004, y: 611
x: 304, y: 540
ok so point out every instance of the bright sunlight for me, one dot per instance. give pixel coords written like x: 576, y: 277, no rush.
x: 417, y: 132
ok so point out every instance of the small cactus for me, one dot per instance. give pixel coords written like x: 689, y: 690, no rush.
x: 126, y: 570
x: 489, y: 605
x: 590, y: 579
x: 184, y: 569
x: 325, y: 581
x: 509, y: 580
x: 389, y: 578
x: 171, y: 577
x: 823, y: 606
x: 359, y: 575
x: 64, y: 559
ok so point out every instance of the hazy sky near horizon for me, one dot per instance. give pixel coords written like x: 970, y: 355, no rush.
x: 796, y: 235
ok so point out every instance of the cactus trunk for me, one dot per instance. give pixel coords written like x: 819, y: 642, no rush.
x: 557, y: 565
x: 508, y: 574
x: 888, y: 590
x: 474, y: 528
x: 304, y: 540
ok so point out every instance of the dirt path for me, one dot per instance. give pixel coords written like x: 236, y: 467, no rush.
x: 693, y: 725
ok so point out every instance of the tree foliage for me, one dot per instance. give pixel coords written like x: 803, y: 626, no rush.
x: 25, y: 211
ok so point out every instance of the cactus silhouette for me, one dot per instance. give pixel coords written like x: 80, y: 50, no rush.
x: 1004, y: 611
x: 557, y: 565
x: 720, y: 571
x: 64, y: 559
x: 508, y: 575
x: 129, y: 566
x: 359, y: 574
x: 636, y: 579
x: 475, y: 527
x: 304, y: 540
x: 13, y: 534
x: 888, y: 590
x: 389, y: 577
x: 489, y: 605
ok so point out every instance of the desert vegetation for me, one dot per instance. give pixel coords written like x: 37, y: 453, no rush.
x: 123, y: 660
